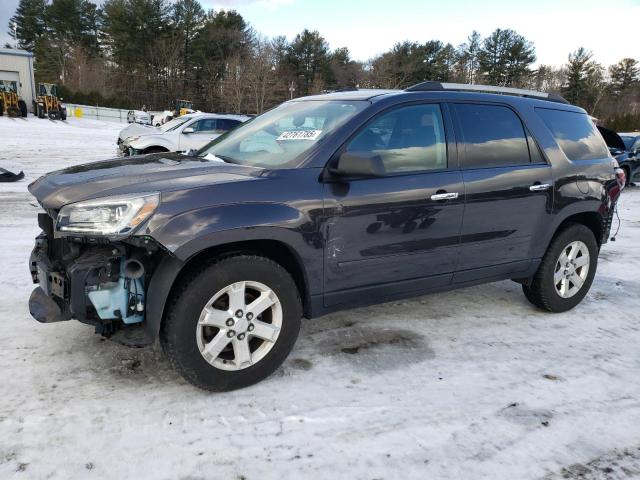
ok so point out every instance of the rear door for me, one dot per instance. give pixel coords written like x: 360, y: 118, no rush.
x: 396, y: 233
x: 508, y: 191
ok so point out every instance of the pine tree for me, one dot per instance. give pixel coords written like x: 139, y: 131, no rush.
x: 505, y: 58
x: 578, y: 69
x: 188, y: 19
x: 308, y: 57
x: 27, y: 25
x: 624, y: 74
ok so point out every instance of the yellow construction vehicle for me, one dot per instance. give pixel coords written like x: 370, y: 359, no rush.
x: 182, y: 107
x: 47, y: 103
x: 10, y: 102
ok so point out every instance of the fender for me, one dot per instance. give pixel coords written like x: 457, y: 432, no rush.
x: 588, y: 206
x: 153, y: 141
x: 192, y: 232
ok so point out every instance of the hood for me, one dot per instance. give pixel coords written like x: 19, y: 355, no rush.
x: 612, y: 139
x: 137, y: 129
x: 138, y: 174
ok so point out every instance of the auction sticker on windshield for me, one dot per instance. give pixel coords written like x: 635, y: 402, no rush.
x: 299, y: 135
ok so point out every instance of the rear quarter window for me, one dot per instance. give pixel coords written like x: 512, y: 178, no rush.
x: 575, y: 133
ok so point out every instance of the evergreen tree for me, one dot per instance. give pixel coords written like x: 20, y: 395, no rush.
x: 624, y: 74
x: 308, y: 58
x: 29, y: 23
x: 579, y: 67
x: 131, y: 28
x: 505, y: 58
x: 188, y: 18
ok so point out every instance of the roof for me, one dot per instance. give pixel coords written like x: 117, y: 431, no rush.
x: 449, y: 91
x: 216, y: 115
x: 359, y: 94
x: 15, y: 52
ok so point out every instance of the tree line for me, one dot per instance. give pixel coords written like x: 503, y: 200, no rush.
x: 129, y: 53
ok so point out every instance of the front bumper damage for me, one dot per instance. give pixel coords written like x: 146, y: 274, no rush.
x: 96, y: 281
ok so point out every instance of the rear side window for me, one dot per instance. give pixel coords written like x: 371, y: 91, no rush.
x: 575, y: 133
x: 493, y: 136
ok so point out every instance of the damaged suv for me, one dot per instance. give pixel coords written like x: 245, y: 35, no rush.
x: 321, y: 204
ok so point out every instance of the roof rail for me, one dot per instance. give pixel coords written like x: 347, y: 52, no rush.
x: 464, y: 87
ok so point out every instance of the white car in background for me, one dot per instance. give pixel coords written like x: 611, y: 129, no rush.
x: 191, y: 131
x: 139, y: 116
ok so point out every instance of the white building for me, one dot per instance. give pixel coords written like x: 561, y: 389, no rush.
x: 16, y: 66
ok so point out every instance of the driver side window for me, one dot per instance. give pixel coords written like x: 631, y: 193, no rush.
x: 206, y: 125
x: 407, y: 139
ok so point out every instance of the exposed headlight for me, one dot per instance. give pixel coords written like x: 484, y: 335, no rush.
x: 132, y: 139
x: 107, y: 216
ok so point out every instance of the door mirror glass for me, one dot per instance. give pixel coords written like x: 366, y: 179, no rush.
x: 188, y: 130
x: 359, y: 164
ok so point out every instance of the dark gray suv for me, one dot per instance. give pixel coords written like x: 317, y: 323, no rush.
x: 321, y: 204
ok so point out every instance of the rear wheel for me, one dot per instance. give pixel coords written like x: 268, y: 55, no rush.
x: 232, y: 323
x: 566, y: 271
x: 1, y: 108
x: 40, y: 111
x: 63, y: 114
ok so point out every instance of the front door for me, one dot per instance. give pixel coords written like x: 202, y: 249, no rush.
x: 508, y: 191
x: 399, y: 232
x: 204, y: 131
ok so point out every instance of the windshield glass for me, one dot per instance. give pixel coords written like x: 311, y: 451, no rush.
x: 173, y: 124
x: 279, y: 137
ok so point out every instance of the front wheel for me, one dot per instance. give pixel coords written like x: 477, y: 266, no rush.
x: 566, y: 271
x: 232, y: 323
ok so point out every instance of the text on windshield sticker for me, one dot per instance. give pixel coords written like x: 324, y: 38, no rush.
x: 300, y: 135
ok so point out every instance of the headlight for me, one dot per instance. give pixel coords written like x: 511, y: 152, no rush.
x: 107, y: 216
x: 132, y: 139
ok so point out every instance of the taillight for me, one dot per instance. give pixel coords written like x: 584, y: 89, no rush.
x: 621, y: 177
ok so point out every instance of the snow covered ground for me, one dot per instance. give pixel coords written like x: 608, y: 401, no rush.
x: 470, y: 384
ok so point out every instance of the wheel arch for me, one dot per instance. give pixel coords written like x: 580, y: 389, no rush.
x: 171, y: 271
x: 155, y: 148
x: 592, y: 220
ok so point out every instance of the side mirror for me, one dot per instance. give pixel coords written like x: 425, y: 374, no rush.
x: 189, y: 130
x: 359, y: 164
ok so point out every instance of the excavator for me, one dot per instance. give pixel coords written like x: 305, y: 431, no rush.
x: 47, y: 103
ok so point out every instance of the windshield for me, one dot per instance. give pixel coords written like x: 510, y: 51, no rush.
x: 279, y: 137
x: 628, y: 141
x: 173, y: 124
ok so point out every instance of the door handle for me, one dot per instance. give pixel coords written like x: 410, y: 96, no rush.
x: 444, y: 196
x: 539, y: 187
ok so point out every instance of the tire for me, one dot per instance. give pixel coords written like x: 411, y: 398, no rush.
x: 40, y: 111
x: 183, y: 338
x: 543, y: 291
x: 54, y: 114
x: 63, y: 114
x: 23, y: 108
x: 13, y: 112
x: 1, y: 108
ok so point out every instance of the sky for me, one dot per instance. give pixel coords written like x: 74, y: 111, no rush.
x: 371, y: 27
